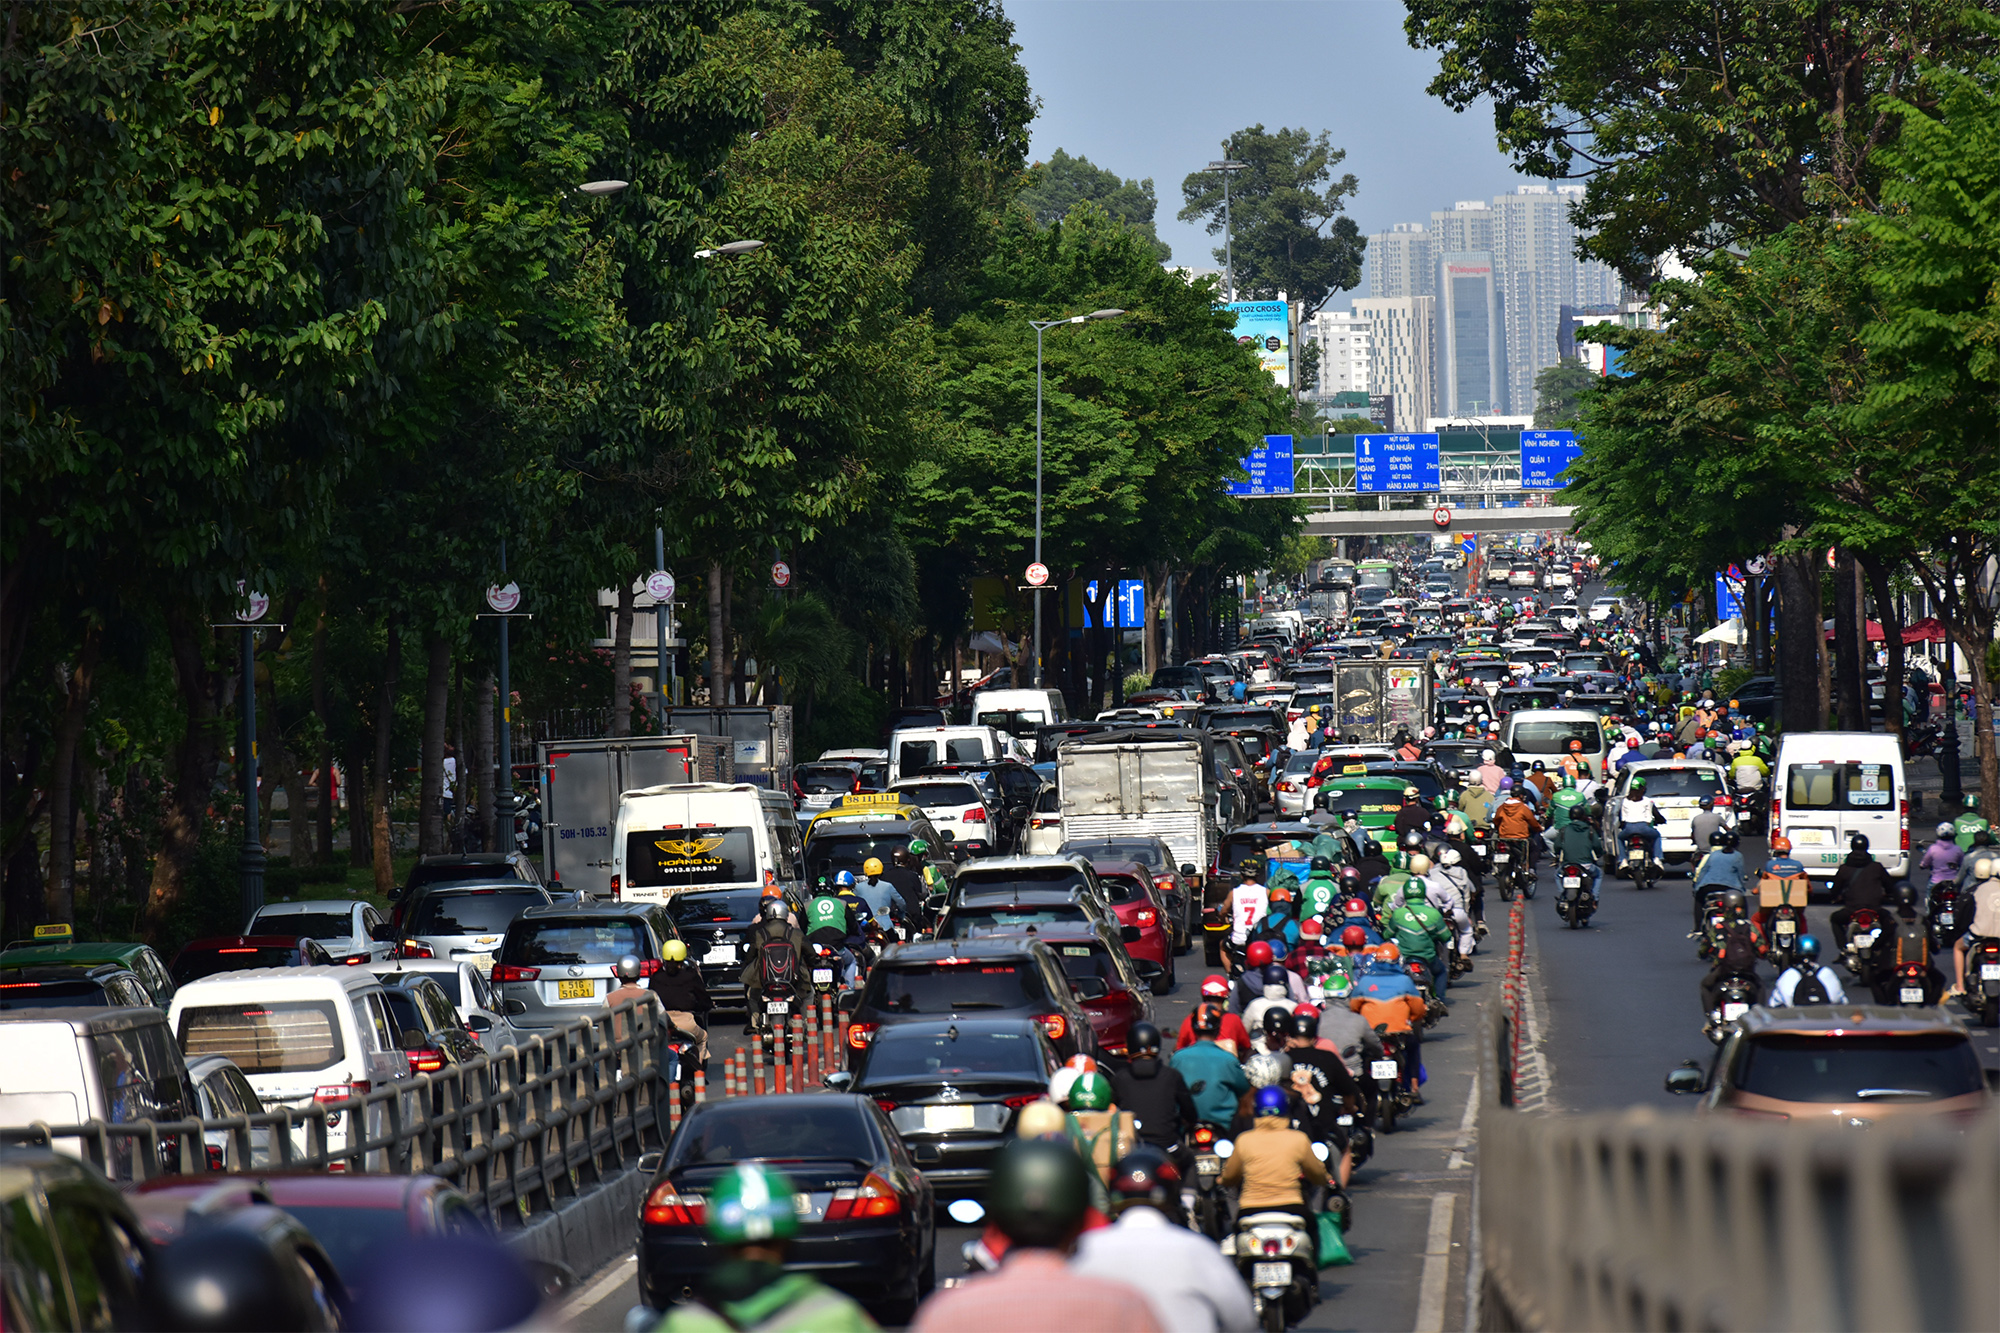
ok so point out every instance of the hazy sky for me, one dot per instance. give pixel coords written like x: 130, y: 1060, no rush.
x: 1150, y: 87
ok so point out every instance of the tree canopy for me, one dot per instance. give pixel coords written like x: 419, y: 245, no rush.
x: 1287, y: 212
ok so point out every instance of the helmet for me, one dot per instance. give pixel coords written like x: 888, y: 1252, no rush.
x: 628, y: 968
x: 1906, y: 894
x: 1734, y: 901
x: 1781, y: 844
x: 1946, y: 831
x: 1207, y: 1021
x: 1412, y: 840
x: 917, y: 847
x: 1638, y: 785
x: 1277, y: 1023
x: 1808, y: 947
x: 674, y: 951
x: 774, y: 909
x: 1145, y: 1175
x: 1411, y: 793
x: 1039, y: 1192
x: 1708, y: 803
x: 1631, y: 742
x: 1450, y: 856
x: 1144, y: 1039
x: 1090, y: 1092
x: 1857, y: 842
x: 1350, y: 874
x: 872, y: 866
x: 1281, y: 894
x: 1986, y: 867
x: 751, y: 1203
x: 1268, y: 1069
x: 844, y: 880
x: 1540, y: 767
x: 1321, y: 863
x: 1486, y: 756
x: 1576, y: 747
x: 1390, y: 950
x: 1041, y: 1119
x: 1305, y: 1026
x: 1413, y: 890
x: 1730, y: 840
x: 1354, y: 937
x: 1718, y: 839
x: 1338, y: 985
x: 1215, y: 986
x: 1506, y: 784
x: 226, y: 1277
x: 1311, y: 929
x: 1272, y: 1101
x: 771, y: 890
x: 1258, y: 954
x: 1274, y: 975
x: 1419, y: 863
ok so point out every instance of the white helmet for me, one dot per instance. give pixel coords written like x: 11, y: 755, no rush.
x: 1986, y: 867
x: 1268, y: 1069
x: 1449, y: 856
x: 1486, y: 756
x: 1419, y: 863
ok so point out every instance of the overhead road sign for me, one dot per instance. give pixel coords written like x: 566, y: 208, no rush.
x: 1270, y: 469
x: 1389, y: 463
x: 1544, y: 455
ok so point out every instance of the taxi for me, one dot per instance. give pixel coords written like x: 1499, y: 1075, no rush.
x: 1373, y: 801
x: 864, y: 805
x: 57, y: 945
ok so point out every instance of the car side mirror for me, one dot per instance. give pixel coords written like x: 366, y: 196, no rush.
x: 945, y: 834
x: 1148, y: 969
x: 513, y: 1008
x: 479, y: 1023
x: 649, y: 1163
x: 848, y: 1002
x: 1687, y: 1079
x: 382, y: 932
x: 1188, y: 870
x: 839, y: 1080
x: 1129, y: 934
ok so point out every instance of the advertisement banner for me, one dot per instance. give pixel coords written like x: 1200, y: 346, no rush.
x: 1266, y: 326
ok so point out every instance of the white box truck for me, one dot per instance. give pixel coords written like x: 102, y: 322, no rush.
x: 581, y: 782
x: 1143, y: 783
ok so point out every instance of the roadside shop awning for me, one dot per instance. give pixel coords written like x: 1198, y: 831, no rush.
x: 1927, y: 630
x: 1729, y: 631
x: 1874, y: 631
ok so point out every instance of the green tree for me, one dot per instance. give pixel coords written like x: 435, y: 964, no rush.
x: 1287, y: 216
x: 1559, y: 392
x: 1054, y: 187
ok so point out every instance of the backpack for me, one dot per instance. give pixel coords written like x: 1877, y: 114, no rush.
x: 781, y: 964
x: 1739, y: 949
x: 1810, y: 989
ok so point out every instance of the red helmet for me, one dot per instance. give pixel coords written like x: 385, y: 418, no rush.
x: 1354, y: 907
x: 1215, y: 986
x: 1311, y: 929
x: 1259, y: 954
x: 1354, y: 937
x: 1631, y: 742
x: 1305, y: 1010
x: 1350, y: 874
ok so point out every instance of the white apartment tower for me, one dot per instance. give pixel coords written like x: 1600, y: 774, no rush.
x: 1539, y: 275
x: 1344, y: 352
x: 1400, y: 262
x: 1403, y: 351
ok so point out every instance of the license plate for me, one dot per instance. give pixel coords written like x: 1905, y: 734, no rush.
x: 1572, y: 881
x: 777, y: 1006
x: 940, y: 1118
x: 1788, y: 927
x: 1733, y: 1011
x: 482, y: 961
x: 1911, y: 994
x: 1344, y: 1121
x: 1809, y: 835
x: 1989, y: 971
x: 1208, y: 1166
x: 576, y: 990
x: 1270, y: 1275
x: 1382, y: 1069
x: 1866, y: 938
x: 1503, y: 857
x: 720, y: 953
x: 822, y: 976
x: 1635, y: 855
x: 1946, y: 918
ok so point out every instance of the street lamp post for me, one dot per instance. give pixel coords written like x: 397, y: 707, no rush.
x: 1228, y: 167
x: 1039, y: 325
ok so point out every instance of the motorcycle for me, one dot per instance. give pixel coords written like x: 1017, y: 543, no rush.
x: 1982, y: 980
x: 1910, y: 987
x: 1510, y: 860
x: 1640, y: 867
x: 1209, y: 1211
x: 1574, y: 902
x: 1734, y: 997
x: 778, y: 988
x: 828, y: 966
x: 1435, y: 1010
x: 1392, y: 1098
x: 1275, y: 1256
x: 1714, y: 923
x: 1785, y: 934
x: 1944, y: 916
x: 1863, y: 929
x: 1481, y: 843
x: 1923, y: 740
x: 1360, y: 1138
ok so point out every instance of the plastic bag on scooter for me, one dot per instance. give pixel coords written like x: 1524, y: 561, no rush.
x: 1333, y: 1250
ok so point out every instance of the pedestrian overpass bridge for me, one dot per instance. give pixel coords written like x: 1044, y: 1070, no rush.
x: 1406, y: 522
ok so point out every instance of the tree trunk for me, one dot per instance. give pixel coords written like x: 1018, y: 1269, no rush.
x: 621, y: 662
x: 718, y: 634
x: 298, y: 819
x: 1975, y: 639
x: 354, y: 779
x: 59, y: 898
x: 731, y: 662
x: 385, y: 724
x: 184, y: 814
x: 437, y: 706
x: 324, y: 851
x: 1891, y: 615
x: 484, y: 741
x: 461, y: 787
x: 1850, y: 648
x: 1798, y: 640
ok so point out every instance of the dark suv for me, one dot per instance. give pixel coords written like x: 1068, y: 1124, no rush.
x: 996, y: 977
x: 489, y: 867
x: 558, y: 962
x: 715, y: 924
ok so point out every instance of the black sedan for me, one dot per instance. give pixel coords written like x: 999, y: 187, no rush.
x: 867, y: 1221
x: 952, y: 1089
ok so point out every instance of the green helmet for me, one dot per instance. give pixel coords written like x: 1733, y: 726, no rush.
x: 1338, y: 985
x: 1090, y: 1092
x: 1638, y: 785
x: 1323, y: 966
x: 918, y: 847
x: 752, y: 1203
x: 1413, y: 890
x: 1039, y: 1192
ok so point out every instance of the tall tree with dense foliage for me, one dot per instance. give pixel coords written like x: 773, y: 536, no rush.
x: 1287, y: 215
x: 1054, y: 187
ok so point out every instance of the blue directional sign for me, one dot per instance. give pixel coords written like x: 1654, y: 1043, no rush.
x: 1270, y: 469
x: 1395, y: 463
x: 1128, y: 605
x: 1544, y: 455
x: 1469, y: 545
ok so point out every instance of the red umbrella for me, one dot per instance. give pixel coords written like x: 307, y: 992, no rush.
x: 1874, y: 632
x: 1926, y: 630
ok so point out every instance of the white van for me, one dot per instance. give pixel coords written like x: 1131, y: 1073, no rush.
x: 1545, y: 734
x: 916, y: 748
x: 704, y: 835
x: 300, y: 1035
x: 69, y: 1066
x: 1018, y: 712
x: 1830, y: 785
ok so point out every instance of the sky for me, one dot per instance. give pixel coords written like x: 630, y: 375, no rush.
x: 1150, y: 87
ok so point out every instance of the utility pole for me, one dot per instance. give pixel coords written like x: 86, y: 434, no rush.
x: 1228, y: 167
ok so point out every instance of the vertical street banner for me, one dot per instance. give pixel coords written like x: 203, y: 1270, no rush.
x: 1266, y: 326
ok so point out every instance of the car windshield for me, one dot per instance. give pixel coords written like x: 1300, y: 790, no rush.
x: 1152, y: 855
x: 820, y: 779
x: 313, y: 925
x: 828, y: 854
x: 1301, y: 762
x: 900, y: 1055
x: 1121, y: 889
x: 1522, y: 698
x: 935, y: 795
x: 551, y: 943
x: 1801, y: 1067
x: 1837, y: 786
x: 975, y: 922
x: 77, y: 993
x: 472, y: 912
x: 1681, y: 783
x: 194, y: 966
x: 1552, y: 736
x: 709, y: 905
x: 1426, y: 782
x: 1238, y: 849
x: 961, y: 983
x: 1012, y: 884
x: 1487, y: 672
x: 1361, y: 800
x: 446, y: 982
x: 448, y: 871
x: 674, y: 858
x: 347, y: 1234
x: 1090, y: 969
x: 264, y: 1036
x: 780, y: 1132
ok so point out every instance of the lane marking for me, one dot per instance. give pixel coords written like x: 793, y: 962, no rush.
x: 614, y: 1277
x: 1467, y: 1123
x: 1437, y: 1266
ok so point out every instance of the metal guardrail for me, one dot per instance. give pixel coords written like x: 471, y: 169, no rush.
x: 518, y: 1130
x: 1632, y: 1220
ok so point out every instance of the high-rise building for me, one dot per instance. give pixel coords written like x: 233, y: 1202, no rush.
x: 1344, y: 349
x: 1399, y: 261
x: 1539, y: 275
x: 1402, y: 352
x: 1470, y: 225
x: 1471, y: 335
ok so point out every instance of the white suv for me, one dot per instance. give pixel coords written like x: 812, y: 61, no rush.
x: 954, y: 806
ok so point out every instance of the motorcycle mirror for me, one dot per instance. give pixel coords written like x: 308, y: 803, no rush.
x: 840, y: 1080
x: 1319, y: 1150
x: 1686, y: 1079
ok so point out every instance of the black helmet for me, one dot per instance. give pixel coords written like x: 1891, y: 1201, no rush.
x: 1906, y: 896
x: 1321, y: 863
x: 1734, y: 901
x: 1145, y: 1176
x: 1857, y: 843
x: 1144, y: 1039
x: 1207, y: 1021
x: 1718, y: 839
x: 1730, y: 841
x: 226, y: 1276
x: 1305, y: 1026
x: 1708, y: 803
x: 1039, y: 1193
x: 1277, y: 1022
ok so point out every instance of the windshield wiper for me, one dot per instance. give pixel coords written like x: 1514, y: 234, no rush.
x: 1871, y: 1093
x: 977, y: 1004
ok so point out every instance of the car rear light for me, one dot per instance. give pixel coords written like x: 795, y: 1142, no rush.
x: 1903, y: 812
x: 1054, y: 1026
x: 236, y: 951
x: 617, y: 884
x: 215, y: 1162
x: 859, y: 1035
x: 887, y: 1104
x: 1164, y: 883
x: 1723, y: 802
x: 649, y: 966
x: 415, y: 949
x: 668, y: 1207
x: 425, y: 1060
x: 1145, y: 916
x: 509, y: 972
x: 1021, y: 1099
x: 973, y: 816
x: 875, y: 1197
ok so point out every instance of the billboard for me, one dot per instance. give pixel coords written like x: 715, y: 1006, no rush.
x: 1384, y: 463
x: 1266, y: 326
x: 1544, y: 455
x: 1270, y: 469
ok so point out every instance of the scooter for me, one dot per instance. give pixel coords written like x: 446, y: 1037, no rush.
x: 1640, y: 866
x: 1275, y: 1256
x: 1574, y: 902
x: 1784, y: 935
x: 1509, y: 861
x: 1863, y: 929
x: 777, y: 989
x: 1944, y: 914
x: 1982, y: 980
x: 1734, y: 997
x: 1391, y: 1097
x: 1910, y: 986
x: 1209, y: 1210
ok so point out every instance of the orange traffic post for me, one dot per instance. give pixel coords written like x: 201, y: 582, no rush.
x: 701, y: 1085
x: 757, y: 1064
x: 798, y: 1053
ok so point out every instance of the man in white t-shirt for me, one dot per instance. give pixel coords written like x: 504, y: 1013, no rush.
x: 1249, y: 901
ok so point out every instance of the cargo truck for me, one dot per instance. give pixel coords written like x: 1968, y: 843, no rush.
x: 1375, y: 698
x: 582, y: 780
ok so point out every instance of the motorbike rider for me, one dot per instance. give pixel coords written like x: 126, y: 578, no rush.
x: 1347, y: 1032
x: 1476, y: 802
x: 1413, y: 816
x: 1639, y: 817
x: 1215, y: 1079
x: 774, y: 927
x: 834, y: 919
x: 1567, y: 802
x: 1720, y: 867
x: 1542, y: 781
x: 1443, y: 893
x: 1232, y: 1035
x: 1157, y: 1096
x: 1451, y: 867
x: 1102, y: 1130
x: 1278, y: 924
x: 1985, y: 914
x: 1911, y: 944
x: 1783, y: 883
x: 679, y: 987
x: 1188, y: 1283
x: 1321, y: 890
x: 1860, y: 882
x: 1631, y: 755
x: 1578, y: 843
x: 1257, y: 955
x: 1389, y: 1001
x: 1944, y: 857
x: 1249, y: 900
x: 1747, y: 771
x: 1515, y: 822
x: 878, y: 895
x: 1269, y: 1161
x: 1421, y: 933
x: 1793, y: 986
x: 1742, y: 945
x: 1274, y: 992
x: 1489, y: 771
x: 1706, y: 824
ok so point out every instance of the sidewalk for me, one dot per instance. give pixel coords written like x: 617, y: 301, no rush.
x: 1925, y: 777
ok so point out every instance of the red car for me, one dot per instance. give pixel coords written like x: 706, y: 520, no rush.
x: 233, y: 953
x: 1109, y: 983
x: 1138, y: 902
